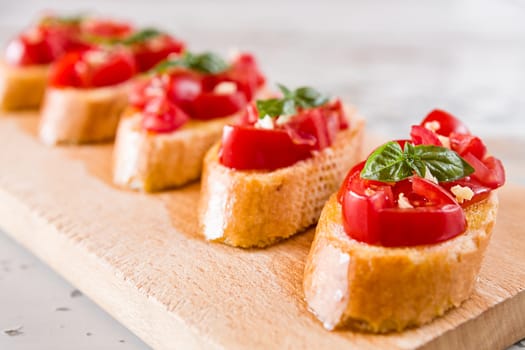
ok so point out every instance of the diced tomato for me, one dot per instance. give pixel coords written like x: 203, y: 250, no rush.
x: 184, y: 88
x: 371, y: 215
x: 422, y: 136
x: 93, y: 68
x: 447, y: 123
x: 466, y: 143
x: 209, y: 105
x: 489, y: 171
x: 152, y: 51
x: 161, y: 115
x: 33, y: 47
x: 247, y: 148
x: 245, y: 72
x: 138, y: 96
x: 319, y: 124
x: 106, y: 28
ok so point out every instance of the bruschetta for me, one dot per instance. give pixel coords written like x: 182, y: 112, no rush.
x: 177, y: 114
x: 25, y: 65
x: 272, y: 172
x: 24, y: 69
x: 403, y: 239
x: 86, y: 96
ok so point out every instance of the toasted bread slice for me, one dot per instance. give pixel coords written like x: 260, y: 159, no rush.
x: 258, y: 208
x: 153, y: 162
x: 378, y: 289
x: 22, y: 87
x: 75, y: 116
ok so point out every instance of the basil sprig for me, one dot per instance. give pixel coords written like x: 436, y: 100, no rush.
x: 302, y: 97
x: 207, y: 62
x: 390, y: 163
x: 141, y: 36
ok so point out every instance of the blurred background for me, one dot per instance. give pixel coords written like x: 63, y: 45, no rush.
x: 394, y: 60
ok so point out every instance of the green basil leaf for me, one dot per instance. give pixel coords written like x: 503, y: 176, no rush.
x: 387, y: 163
x: 207, y: 63
x: 275, y: 107
x: 443, y: 163
x: 141, y: 36
x: 166, y: 65
x: 287, y: 93
x: 303, y: 97
x: 306, y: 97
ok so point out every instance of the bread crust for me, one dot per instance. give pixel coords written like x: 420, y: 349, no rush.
x: 258, y: 208
x: 152, y: 162
x: 76, y: 116
x: 379, y: 289
x: 22, y: 87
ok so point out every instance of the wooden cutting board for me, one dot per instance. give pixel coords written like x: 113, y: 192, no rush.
x: 142, y: 259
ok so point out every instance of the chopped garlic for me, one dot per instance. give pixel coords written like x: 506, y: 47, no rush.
x: 225, y: 88
x: 265, y: 123
x: 369, y: 191
x: 432, y: 126
x: 33, y: 36
x: 403, y: 202
x: 96, y: 58
x: 445, y: 141
x: 157, y: 43
x: 283, y: 119
x: 462, y: 193
x: 429, y: 176
x: 81, y: 67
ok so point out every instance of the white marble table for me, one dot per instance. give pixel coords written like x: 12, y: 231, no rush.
x: 394, y: 60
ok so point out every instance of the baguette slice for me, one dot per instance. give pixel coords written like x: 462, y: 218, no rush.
x: 378, y: 289
x: 76, y: 116
x: 153, y: 162
x: 22, y: 87
x: 258, y: 208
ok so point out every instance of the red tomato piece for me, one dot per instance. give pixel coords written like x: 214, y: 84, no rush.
x: 465, y: 143
x: 245, y: 72
x: 118, y: 67
x: 183, y: 89
x: 309, y: 130
x: 371, y: 215
x: 138, y: 95
x: 316, y: 123
x: 447, y: 123
x: 210, y: 105
x: 93, y: 68
x: 488, y: 172
x: 106, y: 28
x: 422, y: 136
x: 152, y: 51
x: 161, y: 115
x: 248, y: 148
x: 33, y: 47
x: 481, y: 192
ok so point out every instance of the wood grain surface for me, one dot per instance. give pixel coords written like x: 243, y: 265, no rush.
x: 142, y: 259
